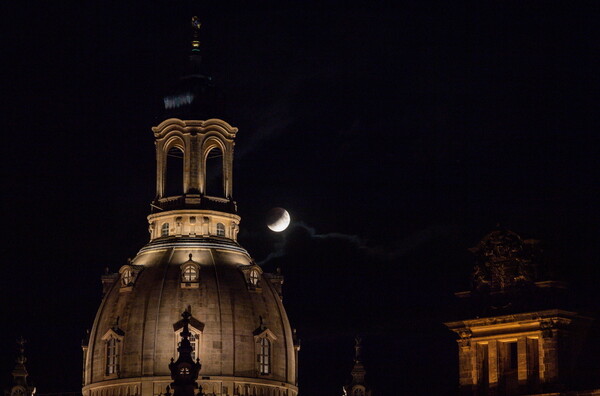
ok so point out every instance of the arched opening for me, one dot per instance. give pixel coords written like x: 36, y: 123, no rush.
x: 174, y: 172
x: 220, y: 229
x: 214, y: 173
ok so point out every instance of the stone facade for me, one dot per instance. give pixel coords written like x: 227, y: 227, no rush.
x: 517, y: 341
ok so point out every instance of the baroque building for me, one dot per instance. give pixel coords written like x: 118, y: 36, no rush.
x: 234, y: 322
x: 521, y: 335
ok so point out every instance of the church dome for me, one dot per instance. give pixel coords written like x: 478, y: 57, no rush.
x: 192, y: 263
x: 236, y: 310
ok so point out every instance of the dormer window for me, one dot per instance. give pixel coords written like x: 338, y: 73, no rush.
x: 220, y: 229
x: 127, y: 277
x: 112, y: 356
x: 195, y: 328
x: 264, y: 339
x: 264, y: 356
x: 112, y: 351
x: 190, y: 274
x: 164, y: 231
x: 254, y: 277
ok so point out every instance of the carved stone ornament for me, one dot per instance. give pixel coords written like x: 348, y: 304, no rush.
x: 465, y: 337
x: 504, y: 260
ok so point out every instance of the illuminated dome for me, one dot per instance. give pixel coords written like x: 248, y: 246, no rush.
x: 193, y: 262
x: 236, y: 312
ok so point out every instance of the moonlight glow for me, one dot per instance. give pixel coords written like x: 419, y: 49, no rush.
x: 278, y: 219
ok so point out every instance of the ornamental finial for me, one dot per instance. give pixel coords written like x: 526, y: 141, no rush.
x: 21, y: 359
x: 357, y: 348
x: 196, y: 24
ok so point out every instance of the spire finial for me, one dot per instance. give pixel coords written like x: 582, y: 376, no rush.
x: 196, y: 24
x: 357, y: 348
x: 21, y: 359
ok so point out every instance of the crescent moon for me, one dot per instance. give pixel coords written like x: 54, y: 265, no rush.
x: 279, y: 219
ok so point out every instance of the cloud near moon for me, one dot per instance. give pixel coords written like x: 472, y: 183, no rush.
x: 278, y: 219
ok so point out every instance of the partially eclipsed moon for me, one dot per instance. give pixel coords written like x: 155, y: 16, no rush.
x: 278, y: 219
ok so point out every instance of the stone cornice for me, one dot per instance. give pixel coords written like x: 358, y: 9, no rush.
x: 194, y: 127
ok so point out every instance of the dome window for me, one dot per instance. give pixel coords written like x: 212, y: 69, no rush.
x: 194, y: 342
x: 252, y: 274
x: 254, y: 277
x: 220, y: 229
x: 264, y: 357
x: 128, y: 274
x: 190, y: 274
x: 112, y: 351
x: 112, y: 356
x: 264, y: 338
x: 164, y: 231
x: 196, y: 328
x: 127, y: 277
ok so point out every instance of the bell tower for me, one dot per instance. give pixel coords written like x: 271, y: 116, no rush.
x: 194, y: 160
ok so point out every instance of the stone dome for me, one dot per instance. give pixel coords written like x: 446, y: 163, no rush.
x: 231, y: 312
x: 193, y: 262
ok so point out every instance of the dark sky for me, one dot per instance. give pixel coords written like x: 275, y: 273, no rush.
x: 396, y: 136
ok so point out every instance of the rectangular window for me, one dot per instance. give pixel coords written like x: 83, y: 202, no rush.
x: 112, y: 356
x: 264, y: 356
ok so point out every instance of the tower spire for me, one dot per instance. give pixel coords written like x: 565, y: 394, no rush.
x: 357, y: 349
x: 358, y: 386
x: 20, y: 387
x: 184, y: 371
x: 195, y: 64
x: 196, y: 24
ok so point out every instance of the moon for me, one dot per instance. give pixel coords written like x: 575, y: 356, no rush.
x: 278, y: 219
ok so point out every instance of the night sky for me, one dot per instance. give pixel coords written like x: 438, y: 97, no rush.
x: 397, y: 136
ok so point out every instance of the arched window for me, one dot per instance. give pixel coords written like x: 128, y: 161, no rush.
x: 264, y: 356
x: 127, y: 277
x: 254, y: 277
x: 164, y: 231
x: 112, y: 356
x: 194, y: 341
x: 214, y: 173
x: 195, y: 344
x: 174, y: 172
x: 189, y: 273
x: 220, y: 229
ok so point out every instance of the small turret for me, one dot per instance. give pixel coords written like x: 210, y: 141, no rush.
x: 358, y: 385
x: 20, y: 387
